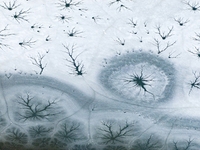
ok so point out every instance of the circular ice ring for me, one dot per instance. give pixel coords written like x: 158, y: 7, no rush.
x: 139, y: 77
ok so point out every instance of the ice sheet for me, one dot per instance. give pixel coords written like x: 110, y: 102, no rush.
x: 99, y: 75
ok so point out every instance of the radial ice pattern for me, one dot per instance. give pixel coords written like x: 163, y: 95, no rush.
x: 139, y: 77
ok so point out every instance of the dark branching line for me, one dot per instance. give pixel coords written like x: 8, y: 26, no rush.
x: 164, y: 35
x: 115, y: 2
x: 158, y: 45
x: 121, y: 5
x: 197, y: 38
x: 69, y: 132
x: 194, y: 6
x: 8, y: 76
x: 3, y: 35
x: 187, y: 147
x: 120, y: 41
x: 56, y: 144
x: 95, y: 18
x: 140, y: 81
x: 149, y: 144
x: 110, y: 135
x: 172, y: 55
x: 27, y: 43
x: 15, y: 135
x: 196, y: 52
x: 10, y: 6
x: 181, y: 21
x: 35, y: 110
x: 38, y: 62
x: 39, y: 131
x: 76, y: 65
x: 140, y: 39
x: 20, y: 16
x: 195, y: 83
x: 73, y: 33
x: 132, y: 23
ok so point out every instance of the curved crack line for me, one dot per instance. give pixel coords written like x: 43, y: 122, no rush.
x: 4, y: 97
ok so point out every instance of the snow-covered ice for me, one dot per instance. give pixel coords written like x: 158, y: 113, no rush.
x: 99, y: 75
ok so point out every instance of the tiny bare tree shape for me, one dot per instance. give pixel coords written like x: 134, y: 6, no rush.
x: 35, y: 110
x: 158, y: 45
x: 3, y: 35
x: 164, y: 35
x: 76, y: 65
x: 9, y: 75
x: 122, y: 7
x: 197, y: 38
x: 38, y: 62
x: 109, y: 134
x: 140, y: 39
x: 67, y: 4
x: 95, y: 18
x: 132, y: 23
x: 195, y: 83
x: 196, y: 52
x: 172, y: 55
x: 56, y: 144
x: 21, y: 15
x: 73, y: 33
x: 69, y: 132
x: 121, y: 42
x: 39, y: 131
x: 194, y: 6
x: 16, y: 136
x: 181, y: 21
x: 10, y: 6
x: 133, y: 32
x: 187, y: 146
x: 26, y: 44
x: 148, y: 144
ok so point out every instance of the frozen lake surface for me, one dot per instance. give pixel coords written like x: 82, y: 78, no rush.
x: 99, y: 75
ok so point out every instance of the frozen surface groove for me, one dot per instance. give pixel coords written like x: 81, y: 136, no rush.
x: 99, y: 75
